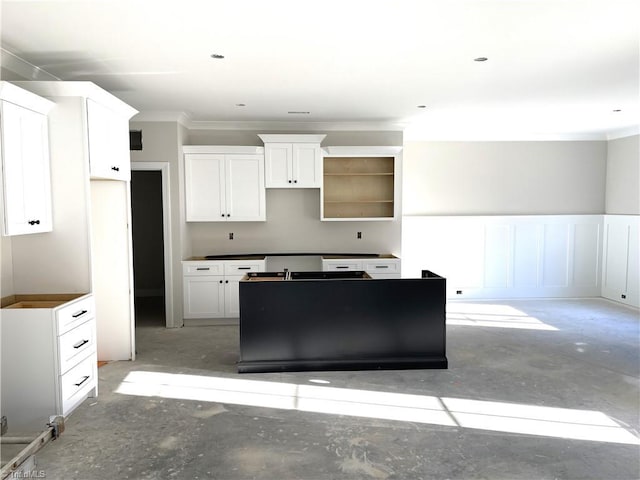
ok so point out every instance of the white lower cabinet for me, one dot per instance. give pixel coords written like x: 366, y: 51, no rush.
x: 211, y: 287
x: 49, y: 362
x: 377, y: 268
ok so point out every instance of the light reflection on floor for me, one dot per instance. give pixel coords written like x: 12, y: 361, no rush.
x: 453, y: 412
x: 492, y: 315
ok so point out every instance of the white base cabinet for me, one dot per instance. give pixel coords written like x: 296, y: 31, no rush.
x: 211, y: 287
x: 49, y: 363
x: 377, y: 268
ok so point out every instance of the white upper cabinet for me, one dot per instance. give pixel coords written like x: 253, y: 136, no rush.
x: 109, y: 156
x: 105, y: 122
x: 26, y: 182
x: 224, y: 184
x: 293, y: 161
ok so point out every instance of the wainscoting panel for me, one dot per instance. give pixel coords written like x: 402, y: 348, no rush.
x: 621, y: 260
x: 507, y: 256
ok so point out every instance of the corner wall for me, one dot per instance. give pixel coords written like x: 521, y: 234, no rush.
x: 623, y: 176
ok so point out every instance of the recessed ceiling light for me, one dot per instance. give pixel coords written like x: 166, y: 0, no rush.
x: 241, y: 104
x: 480, y: 59
x: 298, y: 113
x: 217, y: 56
x: 422, y: 106
x: 617, y: 110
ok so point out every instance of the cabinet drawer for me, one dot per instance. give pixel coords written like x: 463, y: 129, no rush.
x: 205, y: 268
x: 77, y: 383
x: 343, y: 265
x: 240, y: 268
x: 76, y: 344
x: 73, y: 314
x: 382, y: 266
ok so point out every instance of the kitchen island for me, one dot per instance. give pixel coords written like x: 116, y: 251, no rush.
x: 296, y: 321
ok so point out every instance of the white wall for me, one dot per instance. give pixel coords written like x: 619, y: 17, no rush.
x: 504, y: 178
x: 623, y: 176
x: 6, y: 268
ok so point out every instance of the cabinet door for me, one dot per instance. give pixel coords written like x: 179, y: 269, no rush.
x: 232, y: 297
x: 204, y: 297
x: 26, y: 174
x: 278, y: 158
x: 245, y: 191
x: 307, y: 168
x: 108, y: 135
x: 205, y: 188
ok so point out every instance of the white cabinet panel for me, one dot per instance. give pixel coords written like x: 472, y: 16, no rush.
x: 278, y: 161
x: 245, y: 194
x: 108, y: 133
x: 26, y: 172
x: 307, y: 165
x: 293, y: 161
x: 205, y: 187
x: 224, y: 187
x: 203, y: 297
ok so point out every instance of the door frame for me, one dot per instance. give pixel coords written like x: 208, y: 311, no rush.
x: 163, y: 168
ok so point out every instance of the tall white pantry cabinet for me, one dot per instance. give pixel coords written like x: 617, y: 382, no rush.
x: 87, y: 256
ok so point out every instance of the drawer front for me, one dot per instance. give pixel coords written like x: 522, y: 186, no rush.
x: 73, y: 314
x: 77, y: 383
x: 342, y: 265
x: 382, y: 266
x: 240, y: 268
x: 204, y: 268
x: 76, y: 344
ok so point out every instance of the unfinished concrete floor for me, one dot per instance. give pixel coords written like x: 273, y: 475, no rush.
x: 534, y: 390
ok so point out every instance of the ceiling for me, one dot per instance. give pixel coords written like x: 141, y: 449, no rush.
x: 555, y: 69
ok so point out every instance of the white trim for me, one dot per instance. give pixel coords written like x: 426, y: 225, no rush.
x: 290, y: 138
x: 24, y: 98
x: 350, y: 151
x: 223, y: 149
x: 21, y: 67
x: 79, y: 89
x: 163, y: 167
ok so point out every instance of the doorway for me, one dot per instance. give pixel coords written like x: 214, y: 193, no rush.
x: 151, y: 244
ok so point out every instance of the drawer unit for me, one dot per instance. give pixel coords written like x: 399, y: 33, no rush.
x: 74, y: 314
x: 202, y: 268
x: 76, y: 344
x: 337, y: 265
x: 377, y: 268
x: 211, y: 287
x: 48, y: 357
x: 241, y: 267
x: 77, y: 383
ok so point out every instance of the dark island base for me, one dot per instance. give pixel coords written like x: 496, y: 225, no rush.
x: 342, y: 365
x: 341, y: 321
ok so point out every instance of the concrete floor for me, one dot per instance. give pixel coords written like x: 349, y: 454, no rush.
x: 579, y: 358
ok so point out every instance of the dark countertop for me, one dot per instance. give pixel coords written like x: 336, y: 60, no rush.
x: 262, y: 256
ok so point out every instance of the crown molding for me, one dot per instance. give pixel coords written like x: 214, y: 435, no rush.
x: 22, y: 68
x: 277, y: 126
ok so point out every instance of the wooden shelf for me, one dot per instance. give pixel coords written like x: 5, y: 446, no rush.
x: 359, y: 187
